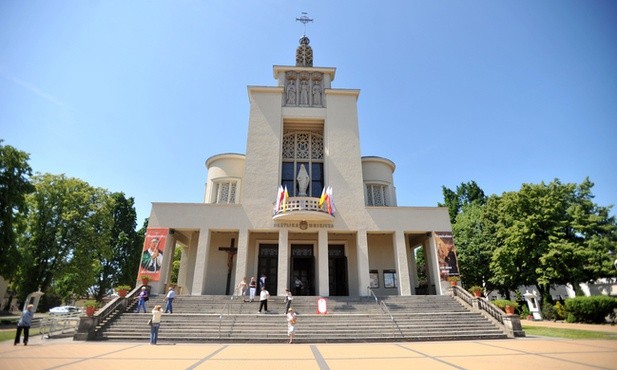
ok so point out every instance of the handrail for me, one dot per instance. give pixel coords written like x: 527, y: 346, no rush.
x: 370, y: 292
x: 227, y: 307
x: 59, y: 323
x: 384, y: 308
x: 483, y: 304
x: 91, y: 329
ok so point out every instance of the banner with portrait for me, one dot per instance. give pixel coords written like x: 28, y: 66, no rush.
x: 446, y: 253
x: 152, y: 255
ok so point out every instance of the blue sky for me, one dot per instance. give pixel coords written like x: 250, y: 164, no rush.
x: 134, y: 96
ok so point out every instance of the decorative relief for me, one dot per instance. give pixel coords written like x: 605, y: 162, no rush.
x: 316, y: 147
x: 268, y: 251
x: 302, y: 145
x: 303, y: 89
x: 289, y: 147
x: 302, y: 251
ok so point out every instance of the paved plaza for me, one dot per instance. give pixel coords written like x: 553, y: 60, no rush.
x: 523, y: 353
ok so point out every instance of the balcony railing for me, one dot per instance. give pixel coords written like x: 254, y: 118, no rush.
x: 303, y: 208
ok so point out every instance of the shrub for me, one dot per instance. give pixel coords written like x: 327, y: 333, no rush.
x: 590, y: 309
x: 548, y: 311
x: 502, y: 303
x: 560, y: 311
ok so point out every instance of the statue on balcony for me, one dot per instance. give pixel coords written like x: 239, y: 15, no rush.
x: 303, y: 181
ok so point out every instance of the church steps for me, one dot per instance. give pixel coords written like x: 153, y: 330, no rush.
x: 349, y: 319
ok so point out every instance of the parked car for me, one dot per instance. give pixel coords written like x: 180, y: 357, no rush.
x: 64, y: 310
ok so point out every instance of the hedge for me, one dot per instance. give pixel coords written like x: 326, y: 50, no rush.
x: 593, y: 309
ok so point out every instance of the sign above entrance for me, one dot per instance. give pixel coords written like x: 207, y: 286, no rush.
x: 304, y: 225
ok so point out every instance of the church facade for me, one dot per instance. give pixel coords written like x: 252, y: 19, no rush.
x: 301, y: 204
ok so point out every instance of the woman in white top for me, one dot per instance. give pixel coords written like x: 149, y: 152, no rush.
x: 291, y: 324
x: 242, y: 287
x: 157, y: 312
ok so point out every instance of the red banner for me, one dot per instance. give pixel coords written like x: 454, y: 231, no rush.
x: 446, y: 252
x: 152, y: 256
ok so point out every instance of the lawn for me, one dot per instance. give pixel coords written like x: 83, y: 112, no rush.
x: 9, y: 334
x: 567, y: 333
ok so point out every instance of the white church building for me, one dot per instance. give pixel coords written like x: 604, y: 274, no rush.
x: 301, y: 203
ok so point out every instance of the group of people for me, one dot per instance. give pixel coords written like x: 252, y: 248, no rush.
x: 251, y: 286
x: 157, y: 311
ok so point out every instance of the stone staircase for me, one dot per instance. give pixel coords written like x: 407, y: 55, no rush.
x: 202, y: 319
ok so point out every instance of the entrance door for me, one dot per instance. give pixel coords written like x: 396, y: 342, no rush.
x: 337, y: 271
x: 268, y: 265
x: 303, y: 268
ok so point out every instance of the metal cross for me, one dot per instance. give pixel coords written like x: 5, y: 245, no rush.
x: 304, y: 19
x: 231, y: 251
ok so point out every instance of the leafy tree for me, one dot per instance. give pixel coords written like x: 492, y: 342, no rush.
x: 14, y: 186
x: 552, y: 234
x: 62, y: 235
x: 121, y: 250
x: 474, y: 244
x: 466, y: 193
x: 175, y: 266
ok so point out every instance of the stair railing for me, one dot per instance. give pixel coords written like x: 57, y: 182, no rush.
x: 385, y: 310
x: 480, y: 303
x: 511, y: 323
x: 89, y: 325
x: 60, y: 324
x: 227, y: 307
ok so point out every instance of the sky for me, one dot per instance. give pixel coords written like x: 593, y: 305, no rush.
x: 134, y: 96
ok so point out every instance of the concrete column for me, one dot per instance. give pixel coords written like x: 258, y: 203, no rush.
x: 364, y: 280
x: 433, y: 261
x: 201, y: 263
x: 158, y: 287
x: 182, y: 271
x: 323, y: 280
x: 242, y: 256
x: 401, y: 258
x: 191, y: 262
x: 283, y: 263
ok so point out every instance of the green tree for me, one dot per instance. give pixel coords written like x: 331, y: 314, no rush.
x: 474, y: 244
x: 63, y: 232
x: 175, y: 266
x: 121, y: 250
x: 14, y: 186
x: 466, y: 193
x: 551, y: 234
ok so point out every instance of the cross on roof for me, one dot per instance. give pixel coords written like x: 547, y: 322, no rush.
x: 304, y: 19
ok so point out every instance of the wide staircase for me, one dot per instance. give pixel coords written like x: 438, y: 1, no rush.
x: 201, y: 319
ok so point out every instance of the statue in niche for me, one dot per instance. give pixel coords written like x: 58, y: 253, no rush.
x: 304, y: 91
x: 316, y: 93
x: 291, y: 92
x: 303, y: 181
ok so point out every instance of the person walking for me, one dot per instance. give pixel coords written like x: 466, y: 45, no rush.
x: 24, y: 324
x: 292, y: 319
x: 242, y: 287
x: 170, y: 299
x: 157, y: 313
x: 288, y: 299
x: 262, y: 281
x: 252, y: 288
x: 141, y: 299
x: 263, y: 299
